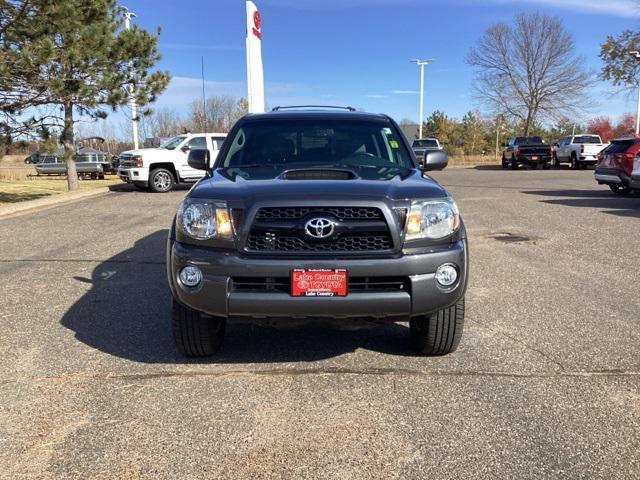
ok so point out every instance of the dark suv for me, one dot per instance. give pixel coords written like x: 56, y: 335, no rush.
x: 317, y: 213
x: 615, y: 165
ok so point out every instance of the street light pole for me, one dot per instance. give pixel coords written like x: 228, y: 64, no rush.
x: 421, y: 64
x: 636, y: 54
x: 128, y: 15
x: 499, y: 119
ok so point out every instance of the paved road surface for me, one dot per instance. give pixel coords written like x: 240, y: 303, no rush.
x: 546, y: 383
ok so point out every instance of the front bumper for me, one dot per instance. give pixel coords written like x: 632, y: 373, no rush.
x: 134, y: 175
x: 216, y: 295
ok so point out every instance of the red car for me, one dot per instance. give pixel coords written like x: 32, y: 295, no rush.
x: 615, y: 165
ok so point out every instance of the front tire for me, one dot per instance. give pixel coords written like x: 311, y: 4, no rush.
x: 440, y: 333
x: 556, y: 162
x: 514, y: 163
x: 505, y: 163
x: 196, y: 335
x: 161, y: 180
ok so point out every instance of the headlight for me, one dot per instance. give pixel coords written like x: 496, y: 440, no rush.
x: 204, y: 220
x: 137, y: 160
x: 433, y: 219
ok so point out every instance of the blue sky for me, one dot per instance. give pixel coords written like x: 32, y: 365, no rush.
x: 357, y: 52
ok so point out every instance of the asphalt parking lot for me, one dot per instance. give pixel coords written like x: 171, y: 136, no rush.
x: 545, y: 384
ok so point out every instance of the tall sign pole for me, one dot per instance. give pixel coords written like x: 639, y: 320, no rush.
x: 255, y: 74
x: 636, y: 54
x: 421, y: 64
x: 128, y: 15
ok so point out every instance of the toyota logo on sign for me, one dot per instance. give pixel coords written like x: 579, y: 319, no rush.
x: 319, y: 227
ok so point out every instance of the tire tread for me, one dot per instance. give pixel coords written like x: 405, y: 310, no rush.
x: 196, y: 335
x: 440, y: 333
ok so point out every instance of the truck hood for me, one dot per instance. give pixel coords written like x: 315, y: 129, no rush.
x: 240, y: 191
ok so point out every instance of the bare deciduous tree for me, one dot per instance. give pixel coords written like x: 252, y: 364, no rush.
x: 529, y: 71
x: 221, y: 113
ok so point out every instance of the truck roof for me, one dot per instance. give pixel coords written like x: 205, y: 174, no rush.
x: 315, y: 115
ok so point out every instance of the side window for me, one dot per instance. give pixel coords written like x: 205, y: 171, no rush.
x: 216, y: 142
x: 198, y: 143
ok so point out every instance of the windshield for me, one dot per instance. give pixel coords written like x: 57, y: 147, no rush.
x: 172, y: 143
x: 586, y: 139
x: 425, y: 143
x: 289, y: 144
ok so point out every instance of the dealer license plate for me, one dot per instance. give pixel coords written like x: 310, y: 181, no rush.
x: 534, y: 158
x: 319, y: 283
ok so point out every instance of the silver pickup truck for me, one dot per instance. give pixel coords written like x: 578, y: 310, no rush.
x: 578, y: 150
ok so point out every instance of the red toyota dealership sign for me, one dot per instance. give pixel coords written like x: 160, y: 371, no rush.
x: 257, y: 24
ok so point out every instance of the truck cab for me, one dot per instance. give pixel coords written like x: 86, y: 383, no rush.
x: 160, y: 169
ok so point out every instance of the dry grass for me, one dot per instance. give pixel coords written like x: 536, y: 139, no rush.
x: 13, y: 174
x: 13, y: 191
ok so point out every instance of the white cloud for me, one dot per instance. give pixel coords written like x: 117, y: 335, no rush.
x: 618, y: 8
x: 374, y: 95
x: 405, y: 92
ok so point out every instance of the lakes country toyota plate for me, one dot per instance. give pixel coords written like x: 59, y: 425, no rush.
x: 319, y: 282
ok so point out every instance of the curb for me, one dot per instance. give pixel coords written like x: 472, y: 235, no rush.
x: 32, y: 206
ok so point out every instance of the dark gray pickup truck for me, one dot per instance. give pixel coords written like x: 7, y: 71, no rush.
x: 530, y: 151
x: 317, y: 213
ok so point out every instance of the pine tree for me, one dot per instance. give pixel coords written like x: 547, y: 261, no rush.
x: 74, y: 56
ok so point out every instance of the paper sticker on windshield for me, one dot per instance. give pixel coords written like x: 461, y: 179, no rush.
x: 393, y: 144
x: 386, y: 131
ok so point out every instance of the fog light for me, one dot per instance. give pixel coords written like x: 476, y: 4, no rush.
x: 447, y: 274
x: 190, y: 276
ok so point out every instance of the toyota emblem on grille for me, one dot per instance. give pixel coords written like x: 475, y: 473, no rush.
x: 319, y: 227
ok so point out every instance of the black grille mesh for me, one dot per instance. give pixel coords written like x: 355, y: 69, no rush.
x: 294, y: 244
x: 343, y: 213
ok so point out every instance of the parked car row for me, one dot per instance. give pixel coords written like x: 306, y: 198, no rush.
x: 579, y: 151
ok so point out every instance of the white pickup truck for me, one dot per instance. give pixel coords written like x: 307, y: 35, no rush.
x: 578, y: 150
x: 159, y: 169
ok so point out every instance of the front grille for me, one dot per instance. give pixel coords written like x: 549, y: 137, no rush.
x: 280, y: 243
x: 282, y: 230
x: 343, y: 213
x: 356, y: 284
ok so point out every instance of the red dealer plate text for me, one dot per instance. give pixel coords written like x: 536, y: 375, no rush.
x: 319, y: 283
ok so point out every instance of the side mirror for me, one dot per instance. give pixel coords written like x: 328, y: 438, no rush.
x: 185, y: 148
x: 199, y: 159
x: 435, y: 160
